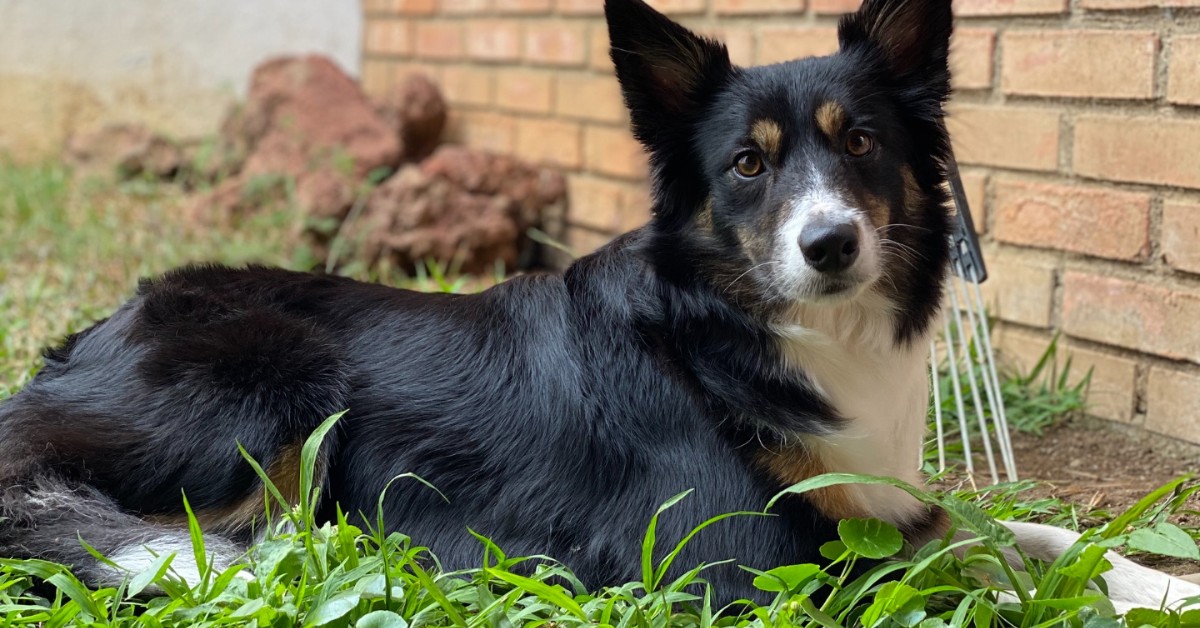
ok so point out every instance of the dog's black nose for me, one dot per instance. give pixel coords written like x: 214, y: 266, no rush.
x: 829, y: 247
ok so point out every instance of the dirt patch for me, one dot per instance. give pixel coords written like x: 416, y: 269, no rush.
x: 1101, y: 465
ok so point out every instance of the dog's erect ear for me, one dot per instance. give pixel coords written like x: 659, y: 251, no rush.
x: 666, y: 71
x: 913, y: 36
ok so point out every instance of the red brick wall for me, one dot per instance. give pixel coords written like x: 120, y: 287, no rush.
x: 1077, y: 123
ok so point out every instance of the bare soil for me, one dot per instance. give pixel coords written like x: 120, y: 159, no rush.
x: 1101, y: 465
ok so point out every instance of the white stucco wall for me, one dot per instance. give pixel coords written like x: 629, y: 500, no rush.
x: 175, y: 65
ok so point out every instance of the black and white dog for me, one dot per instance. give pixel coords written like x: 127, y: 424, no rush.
x: 769, y: 324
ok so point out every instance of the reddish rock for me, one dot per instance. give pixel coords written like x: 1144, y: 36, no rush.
x: 126, y: 150
x: 307, y: 120
x: 417, y: 112
x: 459, y: 206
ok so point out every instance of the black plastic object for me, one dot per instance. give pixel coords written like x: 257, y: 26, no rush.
x: 966, y: 258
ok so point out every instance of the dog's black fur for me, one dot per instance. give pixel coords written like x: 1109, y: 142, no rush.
x: 554, y: 412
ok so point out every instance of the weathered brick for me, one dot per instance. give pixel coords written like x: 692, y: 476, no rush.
x: 1018, y: 289
x: 1171, y: 405
x: 557, y: 43
x: 1120, y: 5
x: 1132, y: 314
x: 523, y: 6
x: 589, y: 97
x: 635, y: 206
x: 583, y: 241
x: 376, y: 6
x: 401, y: 71
x: 414, y: 7
x: 377, y: 77
x: 1022, y: 138
x: 598, y: 57
x: 1141, y: 149
x: 975, y: 186
x: 464, y: 7
x: 835, y: 6
x: 523, y: 90
x: 442, y: 40
x: 1079, y: 63
x: 595, y: 203
x: 388, y: 37
x: 680, y: 7
x: 1182, y: 85
x: 489, y: 131
x: 555, y: 142
x: 971, y: 57
x: 757, y: 7
x: 777, y: 44
x: 1181, y: 235
x: 464, y: 85
x: 494, y: 40
x: 1092, y: 221
x: 1111, y: 393
x: 977, y: 8
x: 581, y: 7
x: 613, y: 151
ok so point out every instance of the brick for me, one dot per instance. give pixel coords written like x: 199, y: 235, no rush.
x: 553, y: 142
x: 583, y: 241
x: 613, y: 151
x: 739, y: 42
x: 464, y: 7
x: 439, y: 40
x: 971, y: 57
x: 403, y: 71
x: 1008, y: 137
x: 494, y: 40
x: 598, y: 57
x: 979, y: 8
x: 757, y: 7
x: 975, y: 186
x: 525, y: 91
x: 377, y: 77
x: 1121, y: 5
x: 581, y: 7
x: 1139, y: 149
x: 1018, y: 289
x: 489, y: 131
x: 635, y: 206
x: 1172, y: 399
x: 1181, y: 235
x: 1079, y: 63
x: 388, y: 37
x: 595, y: 203
x: 527, y: 7
x: 835, y: 6
x: 462, y: 85
x: 414, y: 7
x: 680, y: 7
x: 1182, y: 86
x: 376, y: 6
x: 1112, y: 392
x: 589, y: 97
x: 559, y: 44
x: 784, y: 44
x: 1132, y: 314
x: 1091, y: 221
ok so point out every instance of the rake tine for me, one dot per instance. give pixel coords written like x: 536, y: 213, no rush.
x: 979, y: 413
x: 937, y: 408
x: 958, y: 398
x: 999, y: 415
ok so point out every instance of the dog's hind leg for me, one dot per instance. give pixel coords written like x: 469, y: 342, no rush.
x: 46, y: 517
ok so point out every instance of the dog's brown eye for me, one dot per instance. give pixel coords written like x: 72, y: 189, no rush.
x: 748, y: 164
x: 858, y: 143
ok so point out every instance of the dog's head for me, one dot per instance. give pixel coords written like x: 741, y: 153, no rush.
x: 806, y: 182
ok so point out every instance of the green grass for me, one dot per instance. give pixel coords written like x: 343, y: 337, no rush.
x: 72, y: 251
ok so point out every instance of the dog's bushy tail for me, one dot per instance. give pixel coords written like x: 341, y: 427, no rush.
x: 50, y: 518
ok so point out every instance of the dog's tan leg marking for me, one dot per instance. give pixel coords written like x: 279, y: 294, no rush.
x: 239, y: 516
x: 830, y: 119
x: 769, y: 137
x: 796, y: 464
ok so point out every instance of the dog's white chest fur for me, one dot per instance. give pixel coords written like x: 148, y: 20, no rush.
x: 848, y: 353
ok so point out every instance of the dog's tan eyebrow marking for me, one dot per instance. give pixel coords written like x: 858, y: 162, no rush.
x: 769, y: 137
x: 830, y: 119
x: 704, y: 219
